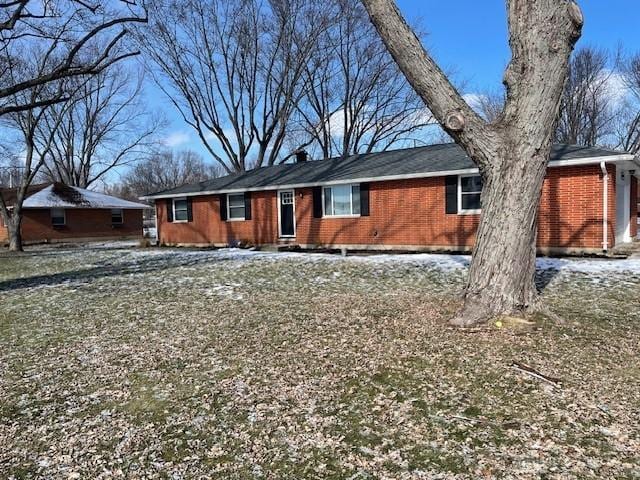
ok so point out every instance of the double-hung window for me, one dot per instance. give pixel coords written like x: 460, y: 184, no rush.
x: 117, y: 217
x: 469, y: 189
x: 341, y: 200
x: 180, y: 213
x: 235, y: 206
x: 58, y: 217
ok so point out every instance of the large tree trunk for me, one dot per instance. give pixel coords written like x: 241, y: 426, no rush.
x: 501, y: 277
x: 14, y: 231
x: 511, y: 152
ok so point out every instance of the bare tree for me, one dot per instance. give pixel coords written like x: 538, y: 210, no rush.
x: 44, y: 45
x: 586, y: 111
x: 512, y: 152
x: 37, y: 149
x: 61, y: 31
x: 11, y: 168
x: 166, y: 170
x: 356, y: 100
x: 627, y: 131
x: 233, y: 70
x: 490, y: 105
x: 102, y: 127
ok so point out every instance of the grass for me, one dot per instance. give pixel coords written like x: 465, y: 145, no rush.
x: 176, y: 363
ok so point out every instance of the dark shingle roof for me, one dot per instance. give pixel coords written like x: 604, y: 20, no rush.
x: 447, y: 157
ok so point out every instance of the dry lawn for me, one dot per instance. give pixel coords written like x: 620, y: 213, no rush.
x: 127, y: 363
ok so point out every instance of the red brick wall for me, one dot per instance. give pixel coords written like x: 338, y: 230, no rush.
x: 571, y: 207
x: 3, y: 231
x: 207, y: 227
x: 80, y: 223
x: 406, y: 212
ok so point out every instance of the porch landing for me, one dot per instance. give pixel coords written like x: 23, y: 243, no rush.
x: 628, y: 249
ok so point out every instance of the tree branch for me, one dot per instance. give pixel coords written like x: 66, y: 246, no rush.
x: 456, y: 117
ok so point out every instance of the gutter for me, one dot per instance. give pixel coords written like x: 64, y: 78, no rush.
x: 605, y: 206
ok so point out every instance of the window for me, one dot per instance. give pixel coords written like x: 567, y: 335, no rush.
x: 286, y: 198
x: 180, y: 210
x: 235, y: 206
x: 116, y: 216
x: 58, y: 218
x: 341, y: 200
x: 469, y: 188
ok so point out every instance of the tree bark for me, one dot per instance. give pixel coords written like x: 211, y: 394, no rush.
x: 14, y: 231
x: 501, y: 276
x: 511, y: 152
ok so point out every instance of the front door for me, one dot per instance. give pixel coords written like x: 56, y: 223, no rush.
x: 623, y: 206
x: 286, y: 200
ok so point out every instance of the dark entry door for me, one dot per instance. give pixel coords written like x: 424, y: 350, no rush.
x: 287, y: 222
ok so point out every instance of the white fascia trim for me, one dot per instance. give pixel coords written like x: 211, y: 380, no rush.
x: 625, y: 157
x: 408, y: 176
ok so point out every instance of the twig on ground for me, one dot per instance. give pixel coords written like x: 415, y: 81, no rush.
x: 521, y: 367
x: 472, y: 420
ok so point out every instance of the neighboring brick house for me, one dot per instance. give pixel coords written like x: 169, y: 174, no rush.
x: 58, y: 213
x: 425, y: 198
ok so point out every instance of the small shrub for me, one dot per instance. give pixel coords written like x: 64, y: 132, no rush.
x: 144, y: 243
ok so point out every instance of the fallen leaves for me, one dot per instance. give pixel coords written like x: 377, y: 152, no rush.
x: 164, y: 363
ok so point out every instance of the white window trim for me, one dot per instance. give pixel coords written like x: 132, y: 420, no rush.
x: 64, y: 215
x: 293, y: 192
x: 462, y: 211
x: 173, y: 207
x: 350, y: 215
x: 121, y: 222
x: 229, y: 219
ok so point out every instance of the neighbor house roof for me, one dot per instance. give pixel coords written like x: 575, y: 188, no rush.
x: 9, y: 194
x: 58, y: 195
x: 419, y: 162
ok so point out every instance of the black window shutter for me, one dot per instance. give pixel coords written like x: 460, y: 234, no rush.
x: 317, y: 202
x: 169, y: 210
x: 451, y: 193
x: 223, y: 207
x: 364, y: 199
x: 247, y: 205
x: 189, y: 210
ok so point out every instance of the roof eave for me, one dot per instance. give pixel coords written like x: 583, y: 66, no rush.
x: 440, y: 173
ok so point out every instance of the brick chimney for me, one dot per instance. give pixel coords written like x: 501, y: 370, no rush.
x: 301, y: 155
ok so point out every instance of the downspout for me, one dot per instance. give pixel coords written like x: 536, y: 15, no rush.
x: 155, y: 219
x: 605, y: 206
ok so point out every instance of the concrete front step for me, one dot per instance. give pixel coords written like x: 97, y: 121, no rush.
x: 281, y: 246
x: 627, y: 249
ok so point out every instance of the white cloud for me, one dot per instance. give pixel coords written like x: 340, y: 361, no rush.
x: 475, y: 100
x: 176, y: 139
x: 616, y: 88
x: 419, y: 117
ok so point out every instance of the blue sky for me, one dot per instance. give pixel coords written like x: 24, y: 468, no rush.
x: 469, y: 37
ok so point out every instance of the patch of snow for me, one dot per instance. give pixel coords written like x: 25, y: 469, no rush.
x: 150, y: 232
x: 442, y: 261
x: 589, y: 265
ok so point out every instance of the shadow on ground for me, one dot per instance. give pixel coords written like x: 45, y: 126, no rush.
x: 157, y: 263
